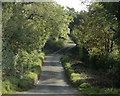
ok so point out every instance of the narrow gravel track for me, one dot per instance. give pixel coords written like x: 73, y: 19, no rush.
x: 52, y: 80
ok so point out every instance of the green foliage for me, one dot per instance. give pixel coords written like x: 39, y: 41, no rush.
x: 58, y: 44
x: 111, y: 91
x: 26, y: 29
x: 113, y: 8
x: 36, y: 69
x: 73, y: 77
x: 12, y: 84
x: 6, y: 87
x: 7, y: 61
x: 107, y: 63
x: 94, y: 30
x: 33, y: 76
x: 82, y: 85
x: 90, y: 90
x: 26, y: 83
x: 65, y: 58
x: 95, y: 37
x: 9, y: 84
x: 26, y: 62
x: 85, y: 85
x: 28, y: 26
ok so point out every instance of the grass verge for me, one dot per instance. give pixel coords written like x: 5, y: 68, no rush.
x: 84, y: 80
x: 27, y: 80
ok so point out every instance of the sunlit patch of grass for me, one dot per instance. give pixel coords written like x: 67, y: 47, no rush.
x: 74, y: 77
x: 85, y: 85
x: 90, y: 90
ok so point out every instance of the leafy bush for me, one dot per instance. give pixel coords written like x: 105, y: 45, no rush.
x: 25, y: 62
x: 90, y: 90
x: 85, y: 85
x: 28, y: 68
x: 10, y: 84
x: 7, y: 87
x: 36, y: 69
x: 26, y: 83
x: 33, y: 76
x: 13, y: 80
x: 73, y: 77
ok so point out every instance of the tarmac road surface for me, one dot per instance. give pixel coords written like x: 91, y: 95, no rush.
x: 52, y: 80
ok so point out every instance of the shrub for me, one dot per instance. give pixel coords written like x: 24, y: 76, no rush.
x: 91, y: 91
x: 75, y: 79
x: 28, y: 67
x: 42, y: 55
x: 26, y: 83
x: 7, y: 87
x: 36, y: 69
x: 107, y: 63
x: 33, y: 76
x: 67, y: 65
x: 9, y: 84
x: 25, y: 62
x: 85, y: 85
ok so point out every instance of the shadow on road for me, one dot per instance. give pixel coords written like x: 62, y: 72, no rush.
x: 52, y: 80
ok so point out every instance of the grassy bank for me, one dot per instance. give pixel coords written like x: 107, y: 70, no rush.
x: 24, y: 78
x: 86, y: 80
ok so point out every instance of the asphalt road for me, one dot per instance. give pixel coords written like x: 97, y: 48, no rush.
x: 52, y: 80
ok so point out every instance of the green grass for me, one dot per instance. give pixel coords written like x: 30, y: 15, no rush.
x: 79, y: 81
x: 12, y: 84
x: 27, y: 81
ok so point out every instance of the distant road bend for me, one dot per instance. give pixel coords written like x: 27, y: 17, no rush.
x: 52, y: 80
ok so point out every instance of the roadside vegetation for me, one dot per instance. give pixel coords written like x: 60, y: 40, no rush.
x: 32, y: 29
x: 92, y: 66
x: 27, y: 27
x: 86, y: 79
x: 57, y: 45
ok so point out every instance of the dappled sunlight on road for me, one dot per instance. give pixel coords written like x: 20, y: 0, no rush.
x: 52, y: 79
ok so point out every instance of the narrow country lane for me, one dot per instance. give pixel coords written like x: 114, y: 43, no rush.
x: 52, y: 80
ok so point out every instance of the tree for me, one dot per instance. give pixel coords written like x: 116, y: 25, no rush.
x: 27, y: 27
x: 94, y: 30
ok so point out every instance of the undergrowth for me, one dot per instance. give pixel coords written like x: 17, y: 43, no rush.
x: 24, y: 81
x: 83, y: 79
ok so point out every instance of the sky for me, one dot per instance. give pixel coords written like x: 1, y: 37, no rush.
x: 76, y: 4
